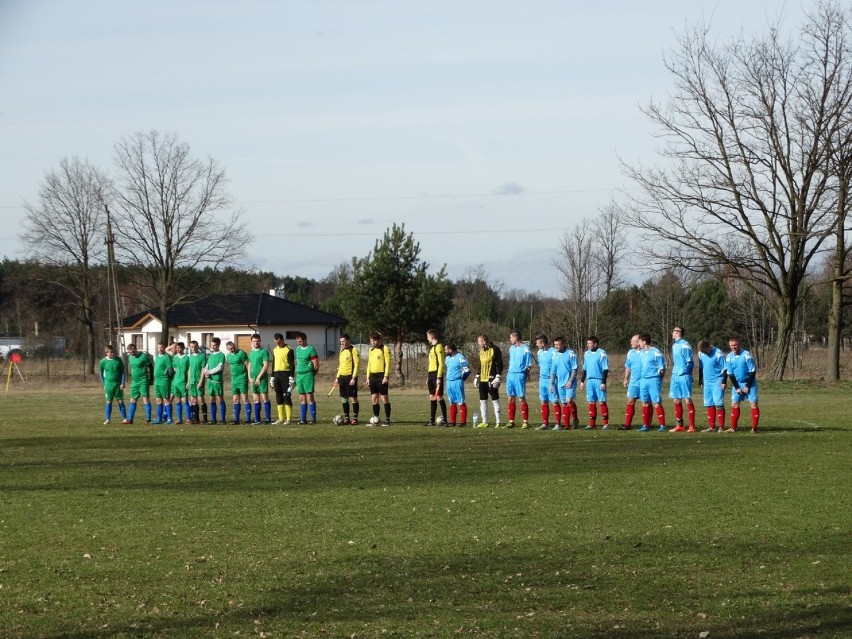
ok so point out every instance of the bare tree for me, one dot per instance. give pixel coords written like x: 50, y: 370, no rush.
x: 749, y: 185
x: 65, y: 229
x: 580, y: 279
x: 610, y: 227
x: 173, y: 216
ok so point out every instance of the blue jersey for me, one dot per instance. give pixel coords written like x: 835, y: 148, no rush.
x: 741, y: 366
x: 520, y: 358
x: 653, y: 363
x: 682, y: 362
x: 564, y: 364
x: 634, y: 364
x: 456, y: 367
x: 595, y: 363
x: 545, y: 363
x: 712, y: 366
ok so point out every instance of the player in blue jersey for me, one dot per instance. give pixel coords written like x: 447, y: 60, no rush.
x: 456, y: 370
x: 593, y: 379
x: 632, y: 375
x: 743, y: 375
x: 712, y: 376
x: 680, y: 384
x: 563, y: 378
x: 653, y: 369
x: 546, y: 393
x: 520, y: 362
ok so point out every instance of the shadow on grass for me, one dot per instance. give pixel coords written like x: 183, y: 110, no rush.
x: 238, y: 462
x: 513, y: 591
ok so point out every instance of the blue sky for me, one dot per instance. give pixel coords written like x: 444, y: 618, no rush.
x: 487, y: 127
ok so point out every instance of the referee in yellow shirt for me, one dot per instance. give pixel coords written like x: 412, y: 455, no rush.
x: 378, y: 374
x: 347, y: 378
x: 435, y: 377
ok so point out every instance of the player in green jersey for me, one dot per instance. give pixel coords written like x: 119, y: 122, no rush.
x: 307, y: 365
x: 180, y: 362
x: 195, y: 385
x: 112, y: 378
x: 239, y: 365
x: 141, y: 373
x: 259, y: 379
x: 163, y: 373
x: 214, y: 374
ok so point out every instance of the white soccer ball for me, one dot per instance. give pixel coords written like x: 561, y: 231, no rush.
x: 338, y: 419
x: 374, y: 420
x: 439, y: 420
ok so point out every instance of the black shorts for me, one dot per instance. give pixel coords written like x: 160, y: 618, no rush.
x: 346, y: 391
x: 281, y: 380
x: 432, y: 384
x: 486, y: 390
x: 376, y: 385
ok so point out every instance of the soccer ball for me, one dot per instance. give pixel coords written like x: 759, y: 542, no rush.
x: 439, y: 420
x: 338, y: 419
x: 374, y: 420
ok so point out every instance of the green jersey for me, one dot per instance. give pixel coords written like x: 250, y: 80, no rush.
x: 304, y: 359
x: 162, y: 365
x: 140, y: 367
x: 197, y: 362
x: 112, y: 371
x: 216, y: 360
x: 181, y: 365
x: 237, y: 361
x: 257, y: 358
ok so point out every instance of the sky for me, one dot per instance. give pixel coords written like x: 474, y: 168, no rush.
x: 487, y: 127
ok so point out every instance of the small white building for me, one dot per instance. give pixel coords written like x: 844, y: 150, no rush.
x: 236, y: 318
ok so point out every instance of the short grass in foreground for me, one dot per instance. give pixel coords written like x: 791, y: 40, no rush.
x: 408, y: 531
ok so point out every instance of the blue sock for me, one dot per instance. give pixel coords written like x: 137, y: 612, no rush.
x: 108, y: 410
x: 159, y: 412
x: 212, y: 411
x: 313, y: 411
x: 148, y: 412
x: 123, y: 410
x: 237, y: 413
x: 248, y: 413
x: 222, y: 410
x: 257, y: 411
x: 303, y: 411
x: 267, y: 410
x: 132, y: 411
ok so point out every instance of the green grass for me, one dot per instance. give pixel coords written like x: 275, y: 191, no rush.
x: 406, y: 531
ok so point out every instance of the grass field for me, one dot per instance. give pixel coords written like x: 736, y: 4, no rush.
x: 334, y: 531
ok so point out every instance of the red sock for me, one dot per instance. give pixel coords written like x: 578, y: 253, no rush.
x: 735, y: 416
x: 511, y: 411
x: 720, y: 416
x: 755, y: 417
x: 463, y: 411
x: 661, y: 414
x: 453, y: 413
x: 646, y: 415
x: 711, y: 416
x: 593, y: 413
x: 545, y: 413
x: 679, y: 413
x: 575, y: 415
x: 525, y: 411
x: 557, y: 413
x: 605, y: 413
x: 691, y: 413
x: 628, y: 415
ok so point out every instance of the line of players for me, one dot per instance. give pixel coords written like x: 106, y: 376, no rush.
x: 180, y: 379
x: 560, y: 373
